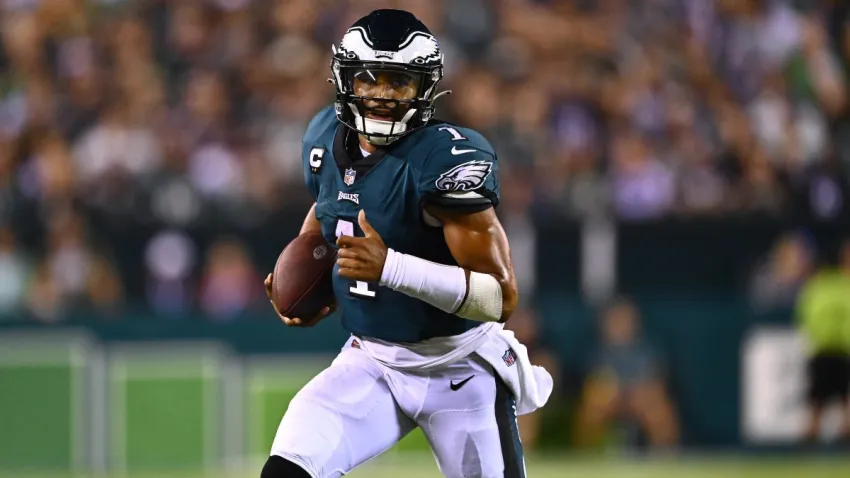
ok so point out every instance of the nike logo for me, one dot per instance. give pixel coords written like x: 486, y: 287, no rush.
x: 456, y: 386
x: 456, y: 151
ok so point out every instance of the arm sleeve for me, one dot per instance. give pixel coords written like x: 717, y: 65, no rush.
x: 460, y: 177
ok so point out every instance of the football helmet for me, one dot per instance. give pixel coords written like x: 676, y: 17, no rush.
x: 386, y: 71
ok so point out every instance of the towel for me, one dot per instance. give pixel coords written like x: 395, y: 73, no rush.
x: 531, y: 385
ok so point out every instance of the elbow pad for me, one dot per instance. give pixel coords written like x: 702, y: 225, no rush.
x: 483, y: 299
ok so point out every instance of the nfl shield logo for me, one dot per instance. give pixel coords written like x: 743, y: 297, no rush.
x: 509, y: 357
x: 349, y: 176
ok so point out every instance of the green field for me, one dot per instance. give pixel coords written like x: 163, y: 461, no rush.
x: 69, y: 403
x: 419, y: 466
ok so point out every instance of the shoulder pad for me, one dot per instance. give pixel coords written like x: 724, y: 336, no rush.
x: 460, y: 169
x: 447, y: 135
x: 321, y: 125
x: 318, y: 140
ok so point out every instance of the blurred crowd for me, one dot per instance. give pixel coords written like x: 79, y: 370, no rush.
x: 173, y: 115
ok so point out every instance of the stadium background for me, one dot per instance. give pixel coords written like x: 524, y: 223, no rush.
x: 691, y: 154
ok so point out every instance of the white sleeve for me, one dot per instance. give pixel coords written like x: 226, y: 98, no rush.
x: 444, y: 287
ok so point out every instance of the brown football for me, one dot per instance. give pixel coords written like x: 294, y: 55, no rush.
x: 302, y: 283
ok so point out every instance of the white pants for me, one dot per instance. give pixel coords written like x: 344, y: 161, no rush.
x: 356, y: 409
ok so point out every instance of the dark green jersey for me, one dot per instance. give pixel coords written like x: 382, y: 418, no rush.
x: 439, y: 164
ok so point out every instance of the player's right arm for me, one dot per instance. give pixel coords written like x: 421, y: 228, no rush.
x: 311, y: 223
x: 313, y: 147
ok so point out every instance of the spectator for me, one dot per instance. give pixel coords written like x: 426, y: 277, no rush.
x: 73, y: 276
x: 644, y: 186
x: 105, y: 291
x: 777, y: 282
x: 174, y: 114
x: 229, y: 284
x: 169, y: 259
x: 626, y: 384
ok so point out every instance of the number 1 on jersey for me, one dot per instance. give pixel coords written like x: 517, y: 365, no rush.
x: 357, y: 288
x: 456, y: 136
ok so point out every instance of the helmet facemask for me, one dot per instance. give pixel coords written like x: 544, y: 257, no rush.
x: 383, y: 101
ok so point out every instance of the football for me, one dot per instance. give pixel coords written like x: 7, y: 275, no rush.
x: 302, y: 283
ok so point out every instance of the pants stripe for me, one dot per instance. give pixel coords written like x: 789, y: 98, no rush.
x: 508, y: 432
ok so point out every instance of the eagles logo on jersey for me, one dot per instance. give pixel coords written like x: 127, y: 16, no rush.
x: 468, y: 176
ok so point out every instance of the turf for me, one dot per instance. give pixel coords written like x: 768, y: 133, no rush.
x: 418, y: 466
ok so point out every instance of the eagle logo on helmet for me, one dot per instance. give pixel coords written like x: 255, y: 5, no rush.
x: 418, y: 48
x: 468, y: 176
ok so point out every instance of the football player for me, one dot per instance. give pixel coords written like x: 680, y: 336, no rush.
x: 424, y: 278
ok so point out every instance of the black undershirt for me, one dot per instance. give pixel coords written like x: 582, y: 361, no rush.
x: 348, y: 155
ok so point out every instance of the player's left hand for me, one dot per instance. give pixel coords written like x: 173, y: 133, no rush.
x: 362, y: 258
